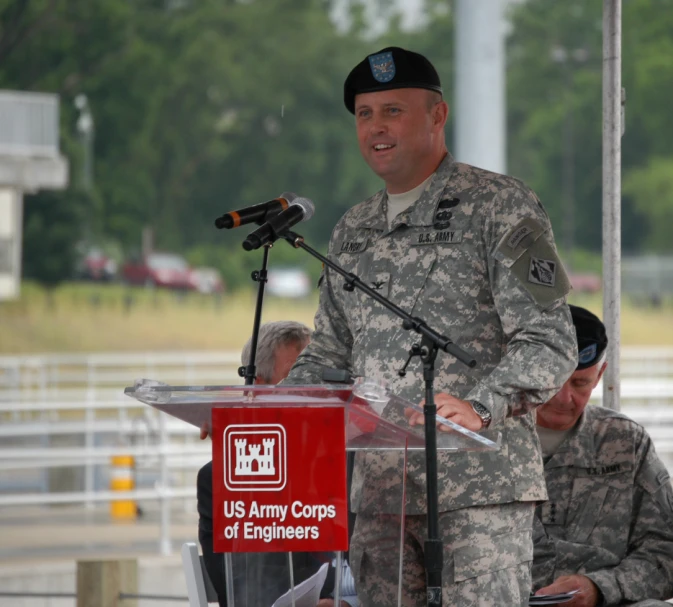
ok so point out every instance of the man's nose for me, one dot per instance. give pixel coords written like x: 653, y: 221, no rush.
x: 565, y: 394
x: 378, y: 125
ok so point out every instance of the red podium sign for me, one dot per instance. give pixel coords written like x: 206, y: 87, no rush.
x: 279, y: 479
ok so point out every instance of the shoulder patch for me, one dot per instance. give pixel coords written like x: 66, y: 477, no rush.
x: 528, y: 253
x: 520, y: 237
x: 515, y: 238
x: 542, y: 272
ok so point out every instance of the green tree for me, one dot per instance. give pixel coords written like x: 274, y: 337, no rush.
x: 544, y: 88
x: 51, y: 231
x: 651, y: 190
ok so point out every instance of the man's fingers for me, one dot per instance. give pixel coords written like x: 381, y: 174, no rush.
x: 416, y: 419
x: 552, y: 589
x: 562, y: 584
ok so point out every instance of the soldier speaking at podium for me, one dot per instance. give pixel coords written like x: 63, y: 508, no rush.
x: 472, y: 253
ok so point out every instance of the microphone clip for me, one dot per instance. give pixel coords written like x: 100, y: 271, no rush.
x: 416, y: 350
x: 259, y: 276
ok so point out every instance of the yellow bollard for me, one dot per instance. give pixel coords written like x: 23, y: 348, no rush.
x: 121, y: 479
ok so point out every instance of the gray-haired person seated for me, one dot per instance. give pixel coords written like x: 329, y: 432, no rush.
x: 607, y: 528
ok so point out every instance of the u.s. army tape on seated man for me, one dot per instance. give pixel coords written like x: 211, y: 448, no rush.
x: 472, y: 253
x: 607, y: 528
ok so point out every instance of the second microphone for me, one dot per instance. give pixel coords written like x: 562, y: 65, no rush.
x: 300, y: 209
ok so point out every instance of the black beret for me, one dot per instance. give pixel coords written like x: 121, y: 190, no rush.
x: 390, y: 68
x: 591, y: 337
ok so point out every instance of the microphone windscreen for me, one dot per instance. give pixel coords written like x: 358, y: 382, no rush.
x: 289, y: 196
x: 307, y: 206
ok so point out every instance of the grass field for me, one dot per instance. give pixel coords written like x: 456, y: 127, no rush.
x: 89, y: 318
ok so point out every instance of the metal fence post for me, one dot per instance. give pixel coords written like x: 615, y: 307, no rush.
x: 165, y: 500
x: 89, y: 418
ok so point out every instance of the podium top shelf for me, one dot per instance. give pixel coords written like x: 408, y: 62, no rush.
x: 374, y: 418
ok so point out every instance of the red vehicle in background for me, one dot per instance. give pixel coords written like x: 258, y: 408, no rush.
x: 166, y: 270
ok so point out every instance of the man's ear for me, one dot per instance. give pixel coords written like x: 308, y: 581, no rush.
x: 440, y: 113
x: 600, y: 373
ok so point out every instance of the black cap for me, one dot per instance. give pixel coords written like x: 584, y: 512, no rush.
x: 591, y: 337
x: 390, y: 68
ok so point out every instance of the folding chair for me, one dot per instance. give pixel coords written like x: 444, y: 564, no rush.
x: 200, y: 590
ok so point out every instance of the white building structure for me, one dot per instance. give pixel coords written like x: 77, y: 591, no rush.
x: 30, y: 160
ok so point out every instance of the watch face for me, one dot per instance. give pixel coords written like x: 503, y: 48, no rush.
x: 482, y: 412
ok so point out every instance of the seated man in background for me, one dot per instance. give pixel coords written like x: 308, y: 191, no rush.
x: 607, y: 528
x: 278, y: 347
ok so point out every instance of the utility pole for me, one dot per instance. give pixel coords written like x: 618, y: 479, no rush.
x: 613, y: 128
x: 479, y: 109
x: 86, y: 129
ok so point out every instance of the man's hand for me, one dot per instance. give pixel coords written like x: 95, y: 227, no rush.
x: 587, y: 596
x: 205, y: 431
x: 452, y: 408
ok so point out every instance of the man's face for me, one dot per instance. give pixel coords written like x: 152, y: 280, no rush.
x: 398, y: 134
x: 285, y: 356
x: 563, y: 411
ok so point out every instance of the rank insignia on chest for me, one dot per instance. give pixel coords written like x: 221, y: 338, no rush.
x: 380, y: 282
x: 438, y: 237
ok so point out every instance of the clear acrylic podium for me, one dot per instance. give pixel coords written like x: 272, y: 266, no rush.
x: 370, y: 420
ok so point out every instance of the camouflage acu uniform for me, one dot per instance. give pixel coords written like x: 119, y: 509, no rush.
x: 610, y: 511
x: 475, y: 258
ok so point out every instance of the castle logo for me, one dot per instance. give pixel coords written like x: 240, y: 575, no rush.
x: 255, y: 457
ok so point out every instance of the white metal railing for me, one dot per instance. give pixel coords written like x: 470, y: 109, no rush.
x: 29, y: 124
x: 168, y: 447
x: 54, y: 371
x: 46, y: 397
x: 51, y: 373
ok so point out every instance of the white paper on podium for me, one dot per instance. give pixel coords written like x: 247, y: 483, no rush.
x: 306, y: 594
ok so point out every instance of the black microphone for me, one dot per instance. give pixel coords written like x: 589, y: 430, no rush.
x: 258, y: 213
x: 300, y: 209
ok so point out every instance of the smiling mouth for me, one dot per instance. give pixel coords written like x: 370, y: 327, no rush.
x: 382, y: 147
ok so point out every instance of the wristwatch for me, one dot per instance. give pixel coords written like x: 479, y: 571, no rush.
x: 482, y: 412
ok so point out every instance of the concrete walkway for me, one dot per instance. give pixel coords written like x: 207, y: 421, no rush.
x: 40, y: 547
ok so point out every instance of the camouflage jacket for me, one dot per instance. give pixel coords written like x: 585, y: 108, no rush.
x: 474, y: 257
x: 610, y: 511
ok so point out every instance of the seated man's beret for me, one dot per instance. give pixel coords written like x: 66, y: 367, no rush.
x: 390, y: 68
x: 591, y: 336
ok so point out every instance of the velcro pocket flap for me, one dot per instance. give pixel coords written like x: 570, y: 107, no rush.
x: 492, y: 554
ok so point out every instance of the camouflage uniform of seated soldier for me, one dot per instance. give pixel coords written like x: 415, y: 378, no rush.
x: 607, y: 528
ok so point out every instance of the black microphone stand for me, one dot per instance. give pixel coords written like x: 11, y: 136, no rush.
x: 249, y: 371
x: 431, y: 343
